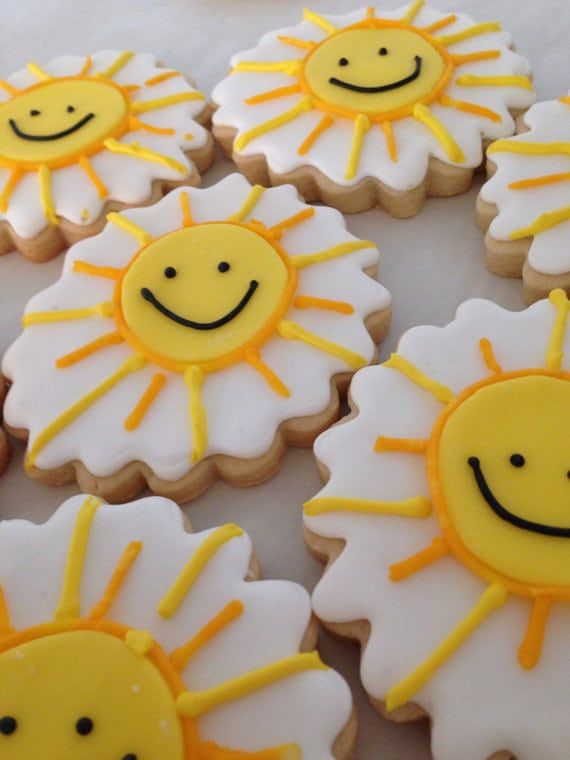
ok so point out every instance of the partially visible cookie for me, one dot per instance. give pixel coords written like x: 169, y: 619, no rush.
x: 124, y: 637
x: 81, y: 136
x: 4, y: 445
x: 372, y: 107
x: 192, y: 340
x: 524, y: 207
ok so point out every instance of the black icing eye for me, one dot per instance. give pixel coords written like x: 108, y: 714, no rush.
x: 84, y: 726
x: 70, y: 109
x: 343, y: 61
x: 33, y: 112
x: 223, y: 266
x: 383, y: 51
x: 130, y: 756
x: 170, y: 272
x: 8, y: 725
x: 517, y: 460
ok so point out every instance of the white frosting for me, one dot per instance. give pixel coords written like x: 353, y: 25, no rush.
x: 550, y: 250
x: 243, y: 411
x: 415, y: 142
x: 481, y: 700
x: 309, y: 709
x: 127, y: 179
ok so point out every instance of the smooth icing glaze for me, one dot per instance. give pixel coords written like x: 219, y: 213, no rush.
x: 122, y: 635
x: 79, y: 132
x: 374, y: 93
x: 531, y: 187
x: 193, y: 327
x: 449, y: 488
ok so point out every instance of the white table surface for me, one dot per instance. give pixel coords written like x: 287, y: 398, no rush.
x: 430, y: 263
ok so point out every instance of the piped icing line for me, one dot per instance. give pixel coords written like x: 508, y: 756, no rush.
x: 400, y: 363
x: 104, y: 309
x: 108, y: 339
x: 489, y: 358
x: 437, y: 128
x: 136, y: 150
x: 462, y: 105
x: 304, y: 105
x: 416, y: 506
x: 119, y: 63
x: 472, y: 31
x: 499, y: 80
x: 555, y: 352
x: 194, y: 379
x: 145, y: 402
x: 542, y: 223
x: 274, y: 381
x: 292, y: 331
x: 126, y: 562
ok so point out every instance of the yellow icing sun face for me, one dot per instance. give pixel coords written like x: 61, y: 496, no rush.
x: 503, y: 469
x: 376, y: 69
x: 68, y: 673
x: 53, y: 122
x: 204, y: 293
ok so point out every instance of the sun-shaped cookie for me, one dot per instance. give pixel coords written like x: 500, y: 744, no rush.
x: 372, y: 106
x: 449, y: 489
x: 525, y: 205
x: 81, y: 135
x: 123, y: 637
x: 192, y: 339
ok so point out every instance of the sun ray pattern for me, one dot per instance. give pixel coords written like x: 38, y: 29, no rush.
x: 100, y: 655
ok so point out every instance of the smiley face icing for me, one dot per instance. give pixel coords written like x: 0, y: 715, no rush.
x: 193, y: 329
x: 74, y: 130
x: 452, y: 483
x: 372, y: 96
x: 524, y: 206
x: 124, y: 637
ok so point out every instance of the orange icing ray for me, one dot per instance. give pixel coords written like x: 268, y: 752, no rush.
x: 162, y: 78
x: 399, y: 571
x: 406, y: 445
x: 117, y: 581
x: 85, y: 267
x: 473, y: 108
x: 324, y: 124
x: 386, y: 127
x: 274, y: 381
x: 87, y: 167
x: 311, y: 302
x: 441, y: 24
x: 546, y: 179
x: 531, y: 647
x: 135, y: 124
x: 103, y: 341
x: 86, y: 68
x: 481, y: 55
x: 211, y: 751
x: 145, y: 402
x: 295, y: 42
x: 278, y: 92
x: 278, y: 229
x: 187, y: 220
x: 9, y: 88
x: 15, y: 176
x: 488, y: 354
x: 5, y: 625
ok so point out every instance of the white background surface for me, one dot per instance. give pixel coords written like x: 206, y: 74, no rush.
x: 430, y: 263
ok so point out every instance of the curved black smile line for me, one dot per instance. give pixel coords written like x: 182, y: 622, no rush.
x: 55, y: 136
x: 382, y: 87
x: 504, y: 514
x: 149, y: 296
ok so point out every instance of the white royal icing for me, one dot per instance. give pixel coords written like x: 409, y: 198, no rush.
x: 481, y: 701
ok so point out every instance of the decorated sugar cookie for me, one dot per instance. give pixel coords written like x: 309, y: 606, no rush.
x: 124, y: 637
x: 525, y: 205
x: 449, y: 490
x: 372, y: 107
x: 193, y: 339
x: 81, y: 135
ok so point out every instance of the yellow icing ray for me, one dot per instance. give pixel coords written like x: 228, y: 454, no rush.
x: 142, y: 106
x: 69, y: 605
x: 308, y: 259
x: 9, y: 88
x: 119, y: 63
x: 143, y: 236
x: 249, y: 204
x: 5, y: 625
x: 486, y: 348
x: 504, y: 80
x: 118, y: 578
x: 324, y: 124
x: 97, y: 182
x: 404, y: 445
x: 296, y: 42
x: 413, y: 11
x: 466, y: 107
x: 318, y: 20
x: 195, y: 704
x: 132, y: 364
x: 104, y: 309
x: 187, y: 220
x: 181, y: 656
x: 85, y: 267
x: 159, y: 78
x: 555, y: 353
x: 438, y: 548
x: 136, y: 150
x: 388, y: 130
x: 543, y: 222
x: 305, y: 104
x: 273, y: 380
x: 103, y: 341
x: 441, y: 392
x: 194, y: 378
x: 416, y: 506
x: 15, y: 176
x: 480, y: 55
x: 46, y: 197
x: 293, y: 331
x: 440, y: 132
x: 441, y: 24
x: 171, y: 601
x: 361, y: 126
x: 38, y: 72
x: 290, y: 68
x: 312, y: 302
x: 211, y: 751
x: 278, y: 229
x: 545, y: 179
x: 145, y: 402
x: 472, y: 31
x: 86, y: 68
x: 529, y: 148
x: 278, y: 92
x: 494, y: 596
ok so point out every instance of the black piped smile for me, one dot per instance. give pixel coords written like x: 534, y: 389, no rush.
x: 382, y: 87
x: 149, y: 296
x: 504, y: 514
x: 55, y: 135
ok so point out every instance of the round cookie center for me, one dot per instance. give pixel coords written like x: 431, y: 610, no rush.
x: 503, y: 473
x: 375, y: 71
x: 202, y: 293
x: 55, y: 122
x: 85, y: 695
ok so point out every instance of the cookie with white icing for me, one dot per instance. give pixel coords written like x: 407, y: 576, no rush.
x: 84, y: 135
x: 373, y: 107
x: 194, y: 339
x: 524, y: 206
x: 446, y: 517
x: 122, y: 636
